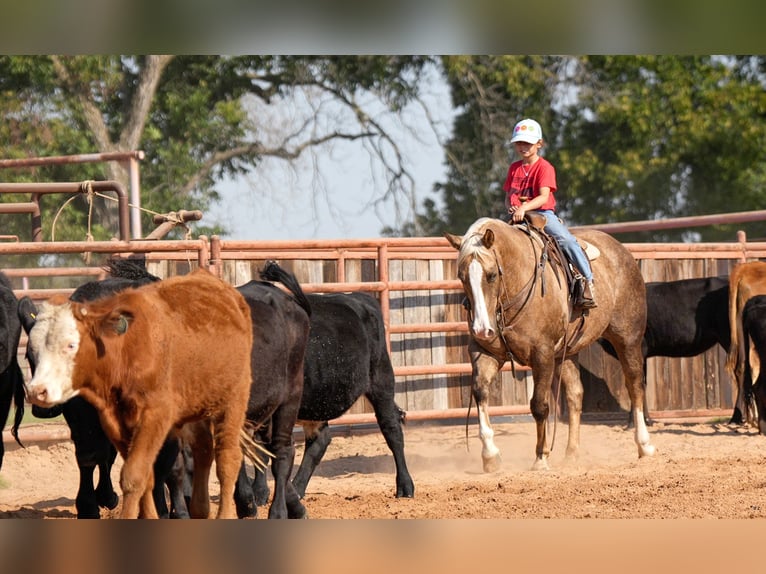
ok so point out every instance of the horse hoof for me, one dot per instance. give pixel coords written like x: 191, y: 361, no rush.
x: 646, y: 450
x: 491, y: 464
x: 540, y: 464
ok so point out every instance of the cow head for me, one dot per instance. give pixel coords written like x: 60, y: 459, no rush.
x: 53, y: 343
x: 68, y: 338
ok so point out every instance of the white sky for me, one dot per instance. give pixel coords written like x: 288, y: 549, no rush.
x: 278, y: 202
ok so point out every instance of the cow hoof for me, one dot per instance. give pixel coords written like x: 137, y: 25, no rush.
x: 406, y: 490
x: 297, y: 512
x: 110, y: 502
x: 262, y: 496
x: 491, y: 464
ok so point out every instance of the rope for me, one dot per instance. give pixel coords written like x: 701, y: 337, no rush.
x: 86, y: 188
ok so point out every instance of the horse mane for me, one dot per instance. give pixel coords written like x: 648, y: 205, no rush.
x: 472, y: 245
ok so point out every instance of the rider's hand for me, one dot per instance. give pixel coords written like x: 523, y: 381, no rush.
x: 517, y: 213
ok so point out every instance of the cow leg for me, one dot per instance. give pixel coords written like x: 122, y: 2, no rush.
x: 228, y: 461
x: 390, y: 418
x: 92, y: 449
x: 244, y: 497
x: 485, y: 369
x: 106, y: 497
x: 137, y: 478
x: 260, y: 484
x: 632, y: 362
x: 318, y: 438
x: 200, y: 439
x: 179, y: 488
x: 286, y: 502
x: 570, y: 377
x: 163, y: 475
x: 85, y: 502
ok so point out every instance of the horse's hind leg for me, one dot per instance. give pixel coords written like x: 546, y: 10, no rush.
x: 632, y: 362
x: 485, y: 369
x: 570, y: 377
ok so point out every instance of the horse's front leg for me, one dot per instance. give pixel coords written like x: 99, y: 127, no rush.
x: 485, y: 369
x: 570, y: 378
x: 539, y: 404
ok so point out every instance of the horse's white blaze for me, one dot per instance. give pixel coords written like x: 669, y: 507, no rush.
x: 486, y: 435
x: 481, y: 325
x: 54, y: 341
x: 643, y: 441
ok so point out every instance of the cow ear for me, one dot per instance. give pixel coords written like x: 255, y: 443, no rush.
x: 119, y: 322
x: 488, y: 239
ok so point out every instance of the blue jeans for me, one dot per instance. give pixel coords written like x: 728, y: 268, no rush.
x: 567, y: 242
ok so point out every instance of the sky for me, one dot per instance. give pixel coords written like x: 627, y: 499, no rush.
x: 277, y: 202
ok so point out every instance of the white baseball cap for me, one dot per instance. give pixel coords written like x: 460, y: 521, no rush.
x: 527, y: 131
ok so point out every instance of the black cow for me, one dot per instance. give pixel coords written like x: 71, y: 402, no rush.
x: 346, y: 358
x: 11, y: 377
x: 684, y: 318
x: 754, y: 334
x: 280, y: 335
x: 92, y: 448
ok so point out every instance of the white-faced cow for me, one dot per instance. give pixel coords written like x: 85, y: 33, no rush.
x: 346, y: 358
x: 93, y: 449
x: 745, y: 281
x: 11, y: 378
x: 754, y: 340
x: 280, y: 329
x: 151, y: 359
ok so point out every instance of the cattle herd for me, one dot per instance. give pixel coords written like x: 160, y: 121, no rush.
x: 179, y: 373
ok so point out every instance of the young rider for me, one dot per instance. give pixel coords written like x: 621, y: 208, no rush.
x: 530, y: 186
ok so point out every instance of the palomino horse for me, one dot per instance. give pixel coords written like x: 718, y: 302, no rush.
x: 520, y: 308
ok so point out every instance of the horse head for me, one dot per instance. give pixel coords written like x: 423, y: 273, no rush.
x: 479, y: 271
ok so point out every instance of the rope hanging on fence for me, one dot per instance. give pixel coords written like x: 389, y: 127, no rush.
x: 86, y: 188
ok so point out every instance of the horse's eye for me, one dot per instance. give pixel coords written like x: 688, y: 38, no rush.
x: 491, y: 277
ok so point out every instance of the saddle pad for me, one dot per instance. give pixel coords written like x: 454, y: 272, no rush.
x: 590, y: 250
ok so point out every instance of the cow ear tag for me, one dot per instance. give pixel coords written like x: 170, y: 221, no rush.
x: 121, y: 327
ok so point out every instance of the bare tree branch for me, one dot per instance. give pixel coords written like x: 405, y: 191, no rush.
x: 259, y: 150
x: 149, y: 79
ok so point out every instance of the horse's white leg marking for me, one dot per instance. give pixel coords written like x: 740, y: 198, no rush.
x: 482, y: 327
x: 486, y: 435
x: 643, y: 441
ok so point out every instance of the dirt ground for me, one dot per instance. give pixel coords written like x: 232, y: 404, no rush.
x: 701, y: 470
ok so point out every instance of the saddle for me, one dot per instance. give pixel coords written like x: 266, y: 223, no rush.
x: 556, y: 257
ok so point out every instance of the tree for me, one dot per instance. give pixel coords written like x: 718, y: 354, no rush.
x: 194, y: 117
x: 653, y: 137
x: 632, y: 138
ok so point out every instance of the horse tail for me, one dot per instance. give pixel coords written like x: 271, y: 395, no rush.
x: 273, y: 272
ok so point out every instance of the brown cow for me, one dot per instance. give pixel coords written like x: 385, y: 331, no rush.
x: 745, y: 281
x: 151, y: 359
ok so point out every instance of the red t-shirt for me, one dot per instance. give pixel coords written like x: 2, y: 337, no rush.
x: 527, y: 184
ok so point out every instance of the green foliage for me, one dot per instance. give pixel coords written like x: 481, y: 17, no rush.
x: 632, y: 138
x: 189, y: 114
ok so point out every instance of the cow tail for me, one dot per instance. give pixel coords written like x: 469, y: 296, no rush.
x: 18, y: 399
x: 273, y: 272
x: 252, y: 449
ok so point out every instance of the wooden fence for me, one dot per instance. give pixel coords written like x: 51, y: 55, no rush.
x: 414, y: 279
